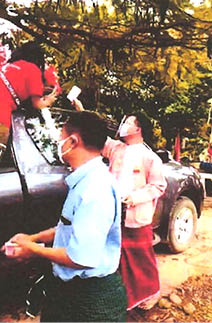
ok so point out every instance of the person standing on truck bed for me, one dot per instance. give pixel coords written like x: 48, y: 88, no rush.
x: 25, y: 73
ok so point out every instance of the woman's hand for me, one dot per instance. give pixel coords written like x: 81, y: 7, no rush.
x: 51, y: 97
x: 44, y: 101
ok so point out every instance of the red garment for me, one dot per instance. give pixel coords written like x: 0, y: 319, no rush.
x: 2, y: 55
x: 139, y: 174
x: 26, y: 79
x: 51, y: 78
x: 177, y: 147
x: 138, y: 266
x: 210, y: 151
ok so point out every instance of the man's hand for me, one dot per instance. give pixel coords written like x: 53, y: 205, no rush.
x: 21, y: 236
x: 78, y: 105
x: 22, y: 249
x: 16, y: 237
x: 128, y: 201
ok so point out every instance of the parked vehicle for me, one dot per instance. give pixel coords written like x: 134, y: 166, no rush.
x: 32, y: 187
x: 178, y: 210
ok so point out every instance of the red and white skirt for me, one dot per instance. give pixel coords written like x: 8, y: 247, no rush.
x: 138, y: 266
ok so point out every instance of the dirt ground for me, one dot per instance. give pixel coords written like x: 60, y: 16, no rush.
x: 186, y: 280
x: 186, y: 283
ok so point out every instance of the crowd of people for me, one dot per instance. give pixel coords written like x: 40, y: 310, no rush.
x: 103, y: 262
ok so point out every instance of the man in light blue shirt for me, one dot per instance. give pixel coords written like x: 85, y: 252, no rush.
x: 91, y: 234
x: 84, y: 286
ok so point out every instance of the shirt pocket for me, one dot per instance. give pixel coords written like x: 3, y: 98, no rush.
x: 138, y: 177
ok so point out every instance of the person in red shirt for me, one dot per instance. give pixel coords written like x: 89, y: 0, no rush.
x: 25, y: 72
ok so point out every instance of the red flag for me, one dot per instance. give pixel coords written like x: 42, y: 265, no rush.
x: 177, y: 147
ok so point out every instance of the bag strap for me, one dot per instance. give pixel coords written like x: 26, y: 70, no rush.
x: 10, y: 88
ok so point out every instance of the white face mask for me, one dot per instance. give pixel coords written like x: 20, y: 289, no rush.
x: 59, y: 149
x: 126, y: 130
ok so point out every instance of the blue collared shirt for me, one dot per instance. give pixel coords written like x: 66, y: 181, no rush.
x: 90, y: 227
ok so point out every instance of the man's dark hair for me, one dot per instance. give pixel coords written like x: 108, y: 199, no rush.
x: 144, y: 122
x: 91, y: 127
x: 30, y: 52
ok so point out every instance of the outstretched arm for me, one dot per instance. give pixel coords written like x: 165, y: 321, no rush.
x: 44, y: 101
x: 78, y: 105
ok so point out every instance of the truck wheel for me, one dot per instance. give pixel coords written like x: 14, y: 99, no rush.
x: 182, y: 225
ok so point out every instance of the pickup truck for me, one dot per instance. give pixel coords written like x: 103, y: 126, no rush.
x: 32, y: 187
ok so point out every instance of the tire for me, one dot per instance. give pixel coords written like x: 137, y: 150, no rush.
x: 182, y: 225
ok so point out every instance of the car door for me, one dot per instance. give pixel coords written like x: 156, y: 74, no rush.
x: 44, y: 183
x: 11, y: 197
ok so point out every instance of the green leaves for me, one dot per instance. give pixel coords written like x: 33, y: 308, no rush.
x: 128, y: 55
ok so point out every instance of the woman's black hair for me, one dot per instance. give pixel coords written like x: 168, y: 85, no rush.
x: 30, y: 52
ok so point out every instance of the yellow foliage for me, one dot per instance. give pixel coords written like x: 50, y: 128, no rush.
x: 159, y: 140
x: 157, y: 132
x: 204, y: 131
x: 175, y: 34
x: 177, y: 66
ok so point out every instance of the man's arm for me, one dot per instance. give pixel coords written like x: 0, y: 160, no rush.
x: 45, y: 236
x: 58, y: 255
x: 29, y: 248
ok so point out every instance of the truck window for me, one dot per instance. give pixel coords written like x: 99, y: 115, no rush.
x: 40, y: 134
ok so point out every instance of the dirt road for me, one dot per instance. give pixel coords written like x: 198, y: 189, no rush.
x: 174, y: 269
x: 189, y: 275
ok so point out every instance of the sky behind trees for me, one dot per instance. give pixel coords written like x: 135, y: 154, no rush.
x: 7, y: 26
